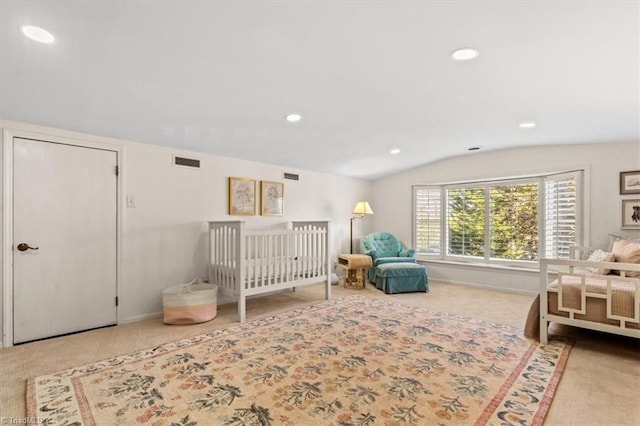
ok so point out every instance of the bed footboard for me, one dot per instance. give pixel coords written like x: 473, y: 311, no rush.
x: 608, y: 303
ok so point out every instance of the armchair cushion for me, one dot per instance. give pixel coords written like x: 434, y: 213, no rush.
x: 383, y: 260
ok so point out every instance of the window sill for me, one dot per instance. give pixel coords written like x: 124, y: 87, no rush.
x: 479, y: 265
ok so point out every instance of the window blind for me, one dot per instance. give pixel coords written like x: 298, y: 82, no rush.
x: 561, y: 224
x: 427, y: 223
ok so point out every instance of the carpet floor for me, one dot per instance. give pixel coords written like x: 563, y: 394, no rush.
x: 598, y: 387
x: 349, y: 361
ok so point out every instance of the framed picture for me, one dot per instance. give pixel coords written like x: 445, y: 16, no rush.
x: 631, y: 214
x: 630, y: 182
x: 242, y: 196
x: 272, y: 200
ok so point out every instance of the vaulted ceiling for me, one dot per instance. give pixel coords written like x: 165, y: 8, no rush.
x: 366, y: 76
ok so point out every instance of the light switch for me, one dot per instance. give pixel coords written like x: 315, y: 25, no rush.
x: 131, y: 201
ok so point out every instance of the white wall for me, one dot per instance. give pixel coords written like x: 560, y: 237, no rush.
x: 164, y: 238
x: 393, y: 204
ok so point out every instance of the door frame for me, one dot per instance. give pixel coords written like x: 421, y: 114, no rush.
x: 12, y: 130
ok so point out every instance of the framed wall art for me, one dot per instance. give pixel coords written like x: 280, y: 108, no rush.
x: 630, y: 182
x: 242, y: 196
x: 630, y: 214
x: 272, y: 198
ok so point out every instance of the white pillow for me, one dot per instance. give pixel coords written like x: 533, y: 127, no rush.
x: 600, y: 256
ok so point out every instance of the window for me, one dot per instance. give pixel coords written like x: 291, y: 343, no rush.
x: 514, y: 221
x: 502, y: 221
x: 465, y: 221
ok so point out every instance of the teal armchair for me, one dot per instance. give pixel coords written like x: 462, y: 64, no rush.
x: 384, y: 247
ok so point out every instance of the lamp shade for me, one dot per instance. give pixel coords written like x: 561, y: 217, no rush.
x: 362, y: 208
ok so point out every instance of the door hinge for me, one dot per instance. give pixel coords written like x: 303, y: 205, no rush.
x: 116, y: 300
x: 117, y: 170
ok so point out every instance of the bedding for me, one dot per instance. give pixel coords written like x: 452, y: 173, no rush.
x: 269, y: 269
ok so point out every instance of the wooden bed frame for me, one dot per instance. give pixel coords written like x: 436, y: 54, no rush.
x: 247, y: 263
x: 606, y: 290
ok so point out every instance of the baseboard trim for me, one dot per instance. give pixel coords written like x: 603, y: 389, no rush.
x: 141, y: 317
x: 224, y: 301
x: 487, y: 287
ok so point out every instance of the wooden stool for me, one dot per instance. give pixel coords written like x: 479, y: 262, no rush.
x: 355, y: 266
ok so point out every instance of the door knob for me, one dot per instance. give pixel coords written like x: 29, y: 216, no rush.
x: 25, y: 247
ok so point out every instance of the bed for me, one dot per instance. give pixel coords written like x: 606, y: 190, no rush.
x: 245, y: 263
x: 595, y: 289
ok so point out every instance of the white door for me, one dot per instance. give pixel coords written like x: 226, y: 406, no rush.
x: 64, y: 234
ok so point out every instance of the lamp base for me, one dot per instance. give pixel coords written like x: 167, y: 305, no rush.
x: 351, y: 233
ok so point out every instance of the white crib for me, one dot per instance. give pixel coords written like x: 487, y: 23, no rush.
x: 246, y: 262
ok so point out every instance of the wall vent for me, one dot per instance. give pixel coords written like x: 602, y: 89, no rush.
x: 187, y: 162
x: 291, y: 176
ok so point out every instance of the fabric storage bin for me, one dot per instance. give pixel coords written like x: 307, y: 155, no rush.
x: 190, y: 303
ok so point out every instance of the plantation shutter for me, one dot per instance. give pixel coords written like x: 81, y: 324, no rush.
x: 562, y: 221
x: 427, y: 223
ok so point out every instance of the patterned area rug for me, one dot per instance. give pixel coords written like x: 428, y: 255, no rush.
x: 352, y: 361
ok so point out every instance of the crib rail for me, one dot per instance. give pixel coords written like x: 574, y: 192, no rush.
x: 247, y: 262
x: 224, y: 251
x: 273, y: 258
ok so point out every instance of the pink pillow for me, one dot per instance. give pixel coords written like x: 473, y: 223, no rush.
x: 626, y: 251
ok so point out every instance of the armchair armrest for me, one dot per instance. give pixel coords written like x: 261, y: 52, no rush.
x: 407, y: 253
x: 372, y: 253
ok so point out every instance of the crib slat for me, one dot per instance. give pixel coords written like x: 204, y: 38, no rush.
x: 253, y: 245
x: 279, y: 263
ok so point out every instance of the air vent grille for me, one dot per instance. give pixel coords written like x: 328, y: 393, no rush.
x: 187, y: 162
x: 291, y: 176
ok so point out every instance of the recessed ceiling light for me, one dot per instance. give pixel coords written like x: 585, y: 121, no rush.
x: 293, y: 118
x: 527, y: 125
x: 394, y: 151
x: 36, y: 33
x: 465, y: 54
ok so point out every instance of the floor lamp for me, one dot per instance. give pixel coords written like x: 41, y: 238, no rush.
x: 361, y: 209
